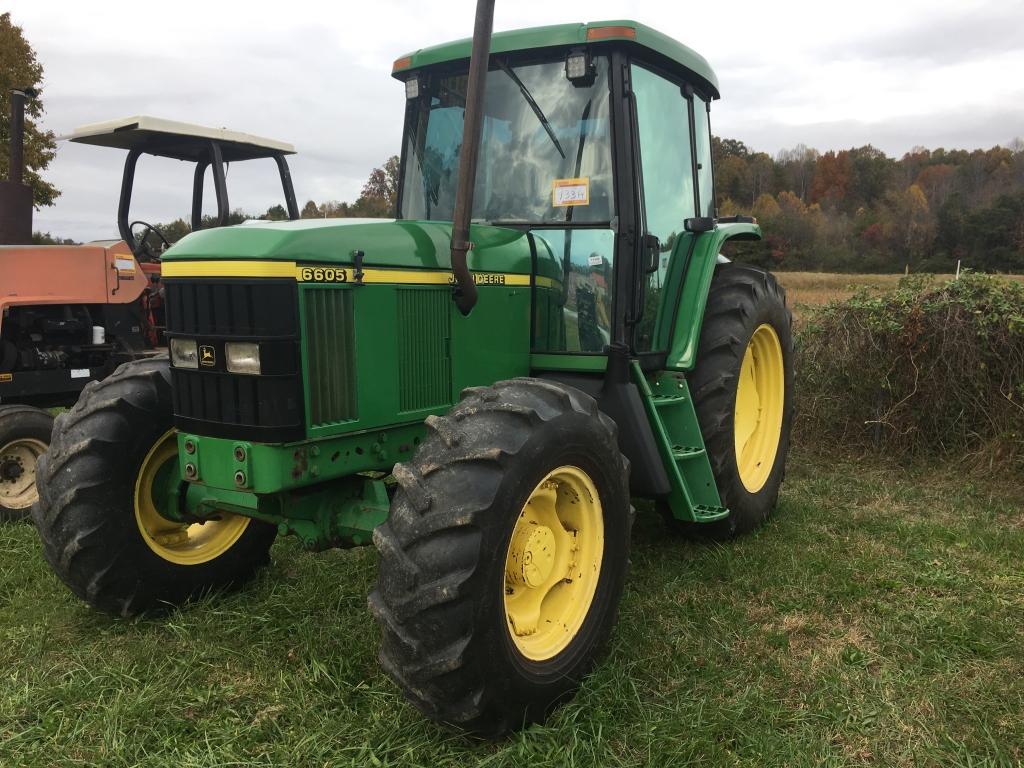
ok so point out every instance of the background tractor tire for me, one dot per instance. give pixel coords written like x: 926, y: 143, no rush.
x: 24, y: 436
x: 743, y: 380
x: 461, y: 527
x: 90, y: 517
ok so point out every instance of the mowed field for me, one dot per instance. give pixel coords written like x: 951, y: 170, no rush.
x: 877, y: 619
x: 810, y: 289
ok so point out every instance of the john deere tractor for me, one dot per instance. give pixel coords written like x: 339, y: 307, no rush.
x: 480, y: 386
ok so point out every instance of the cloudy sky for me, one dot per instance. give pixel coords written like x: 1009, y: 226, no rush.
x: 893, y: 73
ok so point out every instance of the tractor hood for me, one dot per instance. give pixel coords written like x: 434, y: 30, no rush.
x: 384, y: 243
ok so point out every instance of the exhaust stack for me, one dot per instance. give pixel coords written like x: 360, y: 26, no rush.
x: 472, y: 121
x: 15, y: 195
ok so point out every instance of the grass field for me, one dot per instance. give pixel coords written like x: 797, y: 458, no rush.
x: 877, y: 619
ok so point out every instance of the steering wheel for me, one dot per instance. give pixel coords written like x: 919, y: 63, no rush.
x: 144, y: 245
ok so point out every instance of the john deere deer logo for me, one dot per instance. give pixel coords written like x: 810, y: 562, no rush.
x: 207, y: 356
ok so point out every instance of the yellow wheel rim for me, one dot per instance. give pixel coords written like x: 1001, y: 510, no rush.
x: 180, y: 543
x: 553, y: 563
x: 18, y: 461
x: 760, y: 398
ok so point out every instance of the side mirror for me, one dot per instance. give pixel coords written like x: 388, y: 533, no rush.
x: 652, y: 253
x: 699, y: 224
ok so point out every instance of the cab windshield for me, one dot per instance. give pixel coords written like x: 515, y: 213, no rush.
x: 545, y: 149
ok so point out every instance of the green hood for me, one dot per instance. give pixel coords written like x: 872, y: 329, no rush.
x: 384, y: 242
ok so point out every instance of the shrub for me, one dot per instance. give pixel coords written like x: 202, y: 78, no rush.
x: 928, y: 368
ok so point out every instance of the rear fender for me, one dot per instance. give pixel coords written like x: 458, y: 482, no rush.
x: 689, y: 279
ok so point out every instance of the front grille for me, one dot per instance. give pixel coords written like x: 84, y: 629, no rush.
x: 262, y: 309
x: 213, y: 401
x: 330, y: 355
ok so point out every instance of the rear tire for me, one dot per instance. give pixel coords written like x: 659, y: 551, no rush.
x: 24, y: 437
x: 746, y: 321
x: 92, y: 516
x: 461, y: 541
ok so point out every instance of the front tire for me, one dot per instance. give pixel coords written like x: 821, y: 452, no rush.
x: 504, y: 556
x: 743, y: 393
x: 111, y: 468
x: 24, y: 437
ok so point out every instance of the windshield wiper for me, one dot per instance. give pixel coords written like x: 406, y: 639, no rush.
x: 533, y: 105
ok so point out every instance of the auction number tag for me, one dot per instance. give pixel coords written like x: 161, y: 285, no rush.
x: 323, y: 275
x: 567, y: 192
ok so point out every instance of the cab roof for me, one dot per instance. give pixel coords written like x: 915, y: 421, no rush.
x: 180, y: 141
x: 671, y: 52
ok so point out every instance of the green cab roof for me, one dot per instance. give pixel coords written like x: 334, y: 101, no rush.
x: 560, y: 35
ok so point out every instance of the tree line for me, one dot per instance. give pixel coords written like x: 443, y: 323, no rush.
x: 854, y: 210
x: 859, y: 210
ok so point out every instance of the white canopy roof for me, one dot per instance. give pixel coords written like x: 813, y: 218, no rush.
x: 182, y: 141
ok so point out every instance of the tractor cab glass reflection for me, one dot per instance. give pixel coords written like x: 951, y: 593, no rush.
x: 575, y: 314
x: 539, y: 128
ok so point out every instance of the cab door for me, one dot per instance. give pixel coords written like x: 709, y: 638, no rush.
x: 675, y: 184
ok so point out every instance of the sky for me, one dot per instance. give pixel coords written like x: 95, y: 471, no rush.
x: 893, y: 73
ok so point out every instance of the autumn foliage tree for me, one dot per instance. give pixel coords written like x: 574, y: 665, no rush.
x: 858, y: 209
x: 377, y: 199
x: 19, y: 69
x: 831, y: 180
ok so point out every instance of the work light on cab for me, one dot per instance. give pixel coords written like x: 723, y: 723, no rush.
x: 578, y: 67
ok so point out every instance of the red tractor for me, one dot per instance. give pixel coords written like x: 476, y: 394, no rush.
x: 71, y: 314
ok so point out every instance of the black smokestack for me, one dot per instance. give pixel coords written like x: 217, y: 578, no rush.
x: 15, y: 195
x: 16, y: 169
x: 465, y: 295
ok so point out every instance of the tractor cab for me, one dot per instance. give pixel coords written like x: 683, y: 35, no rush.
x: 595, y: 141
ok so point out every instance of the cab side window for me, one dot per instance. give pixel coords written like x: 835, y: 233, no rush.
x: 666, y: 163
x: 573, y: 297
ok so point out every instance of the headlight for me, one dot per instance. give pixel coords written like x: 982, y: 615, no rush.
x: 184, y: 353
x: 242, y: 357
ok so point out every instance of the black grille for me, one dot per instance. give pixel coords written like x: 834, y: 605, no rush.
x: 213, y: 401
x: 261, y: 309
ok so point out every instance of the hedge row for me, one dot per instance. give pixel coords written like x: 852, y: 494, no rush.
x: 930, y: 368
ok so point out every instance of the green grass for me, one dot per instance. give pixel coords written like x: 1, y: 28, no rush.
x: 877, y: 619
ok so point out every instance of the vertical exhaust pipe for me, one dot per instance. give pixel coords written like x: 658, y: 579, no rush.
x: 465, y: 292
x: 15, y: 196
x: 16, y: 168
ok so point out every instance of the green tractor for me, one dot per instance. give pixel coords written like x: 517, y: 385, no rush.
x: 480, y: 386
